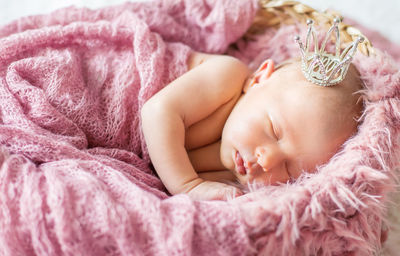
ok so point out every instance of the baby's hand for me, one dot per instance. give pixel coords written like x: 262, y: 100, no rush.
x: 211, y: 190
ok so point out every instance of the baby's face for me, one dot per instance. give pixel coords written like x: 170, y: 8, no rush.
x: 285, y: 125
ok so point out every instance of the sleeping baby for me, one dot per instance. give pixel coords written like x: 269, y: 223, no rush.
x: 220, y: 123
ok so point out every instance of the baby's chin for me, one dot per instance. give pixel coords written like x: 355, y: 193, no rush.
x: 247, y: 186
x: 256, y: 182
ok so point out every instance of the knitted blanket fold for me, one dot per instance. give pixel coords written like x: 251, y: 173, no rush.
x: 75, y: 176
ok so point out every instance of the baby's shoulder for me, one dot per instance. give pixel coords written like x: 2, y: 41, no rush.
x: 225, y: 72
x: 198, y: 58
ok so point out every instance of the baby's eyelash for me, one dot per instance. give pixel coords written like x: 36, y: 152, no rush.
x: 274, y: 131
x: 273, y: 128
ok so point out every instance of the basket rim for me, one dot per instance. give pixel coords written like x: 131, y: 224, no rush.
x: 274, y: 13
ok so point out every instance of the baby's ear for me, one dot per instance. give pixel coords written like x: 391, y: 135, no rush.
x: 263, y: 72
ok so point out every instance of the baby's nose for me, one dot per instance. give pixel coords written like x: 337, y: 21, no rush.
x: 268, y: 158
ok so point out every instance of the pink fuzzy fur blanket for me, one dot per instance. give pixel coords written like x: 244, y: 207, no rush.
x: 75, y: 176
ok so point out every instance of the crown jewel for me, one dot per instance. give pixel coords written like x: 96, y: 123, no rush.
x: 323, y: 68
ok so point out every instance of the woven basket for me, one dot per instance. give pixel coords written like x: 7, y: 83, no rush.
x: 274, y: 13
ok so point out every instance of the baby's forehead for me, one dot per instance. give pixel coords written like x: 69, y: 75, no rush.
x: 319, y: 119
x: 321, y: 106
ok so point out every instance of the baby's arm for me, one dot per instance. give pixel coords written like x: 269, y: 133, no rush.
x: 187, y: 100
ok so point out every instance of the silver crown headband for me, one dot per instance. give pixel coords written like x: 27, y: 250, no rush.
x: 323, y: 68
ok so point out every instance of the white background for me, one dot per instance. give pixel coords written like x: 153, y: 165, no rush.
x: 382, y: 15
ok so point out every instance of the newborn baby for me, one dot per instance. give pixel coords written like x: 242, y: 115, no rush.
x: 220, y: 122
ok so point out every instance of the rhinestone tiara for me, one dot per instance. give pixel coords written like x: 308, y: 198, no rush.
x: 323, y: 68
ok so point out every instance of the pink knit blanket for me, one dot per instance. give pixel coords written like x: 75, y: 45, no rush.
x: 75, y: 176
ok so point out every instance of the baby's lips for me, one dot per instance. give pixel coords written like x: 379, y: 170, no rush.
x: 241, y: 170
x: 239, y: 164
